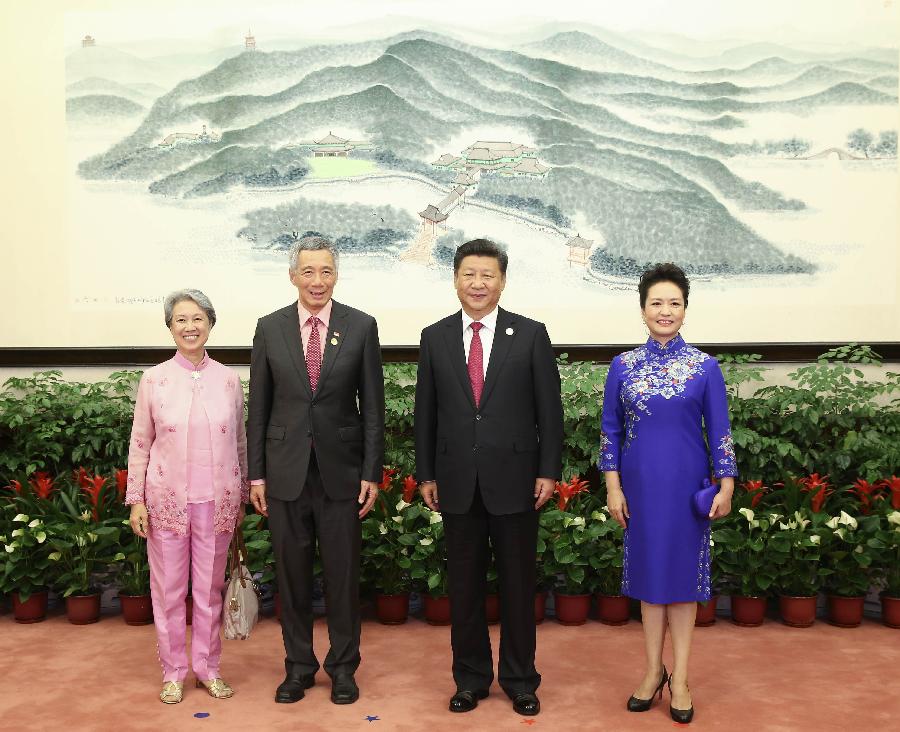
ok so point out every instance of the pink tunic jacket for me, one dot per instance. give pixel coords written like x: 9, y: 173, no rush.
x: 157, y: 455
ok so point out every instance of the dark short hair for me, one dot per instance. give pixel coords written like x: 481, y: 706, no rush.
x: 481, y: 248
x: 664, y: 272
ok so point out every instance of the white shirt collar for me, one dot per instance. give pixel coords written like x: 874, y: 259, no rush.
x: 489, y: 321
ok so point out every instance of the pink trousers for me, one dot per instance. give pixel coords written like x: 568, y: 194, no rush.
x: 171, y: 555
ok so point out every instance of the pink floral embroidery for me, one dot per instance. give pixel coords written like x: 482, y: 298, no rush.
x: 171, y: 429
x: 223, y: 429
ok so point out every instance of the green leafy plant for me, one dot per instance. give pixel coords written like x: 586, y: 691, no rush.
x: 582, y: 400
x: 26, y: 567
x: 133, y: 575
x: 80, y: 549
x: 428, y: 569
x: 607, y: 554
x: 742, y: 556
x: 795, y: 547
x: 886, y: 565
x: 389, y: 534
x: 850, y: 546
x: 261, y: 558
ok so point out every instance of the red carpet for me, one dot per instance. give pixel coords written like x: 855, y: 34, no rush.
x: 106, y: 677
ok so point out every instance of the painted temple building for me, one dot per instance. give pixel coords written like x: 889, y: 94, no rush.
x: 505, y: 158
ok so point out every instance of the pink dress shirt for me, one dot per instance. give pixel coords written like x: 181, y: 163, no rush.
x: 159, y: 465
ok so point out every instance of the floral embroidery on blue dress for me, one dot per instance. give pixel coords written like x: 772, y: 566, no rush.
x: 665, y: 429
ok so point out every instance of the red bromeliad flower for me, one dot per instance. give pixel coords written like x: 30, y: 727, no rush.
x: 409, y: 488
x: 819, y: 487
x: 42, y: 485
x: 93, y: 487
x: 387, y: 475
x: 893, y: 485
x: 81, y: 476
x: 568, y: 490
x: 867, y: 493
x: 756, y: 488
x: 121, y: 483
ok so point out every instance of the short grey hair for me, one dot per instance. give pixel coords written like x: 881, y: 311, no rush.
x: 311, y: 244
x: 202, y: 301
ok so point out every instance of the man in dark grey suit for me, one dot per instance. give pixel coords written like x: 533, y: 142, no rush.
x: 488, y: 432
x: 315, y: 443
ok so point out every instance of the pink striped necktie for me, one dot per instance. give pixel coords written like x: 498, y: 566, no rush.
x: 314, y: 352
x: 476, y: 362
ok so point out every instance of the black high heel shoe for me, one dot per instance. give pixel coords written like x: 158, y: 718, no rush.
x: 682, y: 716
x: 643, y: 705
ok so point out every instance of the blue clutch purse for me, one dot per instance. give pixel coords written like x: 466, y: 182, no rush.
x: 703, y: 499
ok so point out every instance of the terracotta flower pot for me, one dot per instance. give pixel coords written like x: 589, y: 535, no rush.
x: 748, y: 611
x: 492, y: 607
x: 798, y: 612
x: 706, y: 612
x: 845, y: 612
x: 188, y: 608
x: 392, y: 609
x: 572, y: 609
x: 890, y: 611
x: 540, y: 607
x: 612, y: 609
x: 136, y: 609
x: 83, y: 609
x: 437, y: 610
x: 33, y: 610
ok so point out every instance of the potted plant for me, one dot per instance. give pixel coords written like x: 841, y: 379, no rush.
x: 260, y: 560
x: 746, y: 566
x: 568, y: 559
x: 133, y: 577
x: 795, y: 548
x: 606, y: 562
x: 26, y: 566
x: 389, y: 535
x: 849, y: 547
x: 888, y: 567
x: 80, y: 549
x: 429, y: 567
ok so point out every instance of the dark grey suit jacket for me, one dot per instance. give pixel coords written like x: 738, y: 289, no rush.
x: 344, y: 417
x: 513, y: 437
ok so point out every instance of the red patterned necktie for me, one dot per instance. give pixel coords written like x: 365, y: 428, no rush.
x: 476, y: 362
x: 314, y: 353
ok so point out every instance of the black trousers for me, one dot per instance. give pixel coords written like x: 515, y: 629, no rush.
x: 296, y: 526
x: 513, y: 537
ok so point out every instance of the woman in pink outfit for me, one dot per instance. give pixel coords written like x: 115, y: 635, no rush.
x: 187, y: 486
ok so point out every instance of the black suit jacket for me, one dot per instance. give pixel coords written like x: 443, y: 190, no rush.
x: 512, y: 438
x: 344, y: 417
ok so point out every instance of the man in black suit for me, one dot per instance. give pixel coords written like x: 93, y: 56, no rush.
x: 315, y: 444
x: 488, y: 431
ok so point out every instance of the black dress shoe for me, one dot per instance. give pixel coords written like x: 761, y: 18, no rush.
x: 642, y: 705
x: 466, y: 701
x: 344, y: 689
x: 682, y: 716
x: 293, y: 687
x: 526, y: 704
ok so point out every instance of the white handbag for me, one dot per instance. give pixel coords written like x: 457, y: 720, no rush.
x: 240, y: 610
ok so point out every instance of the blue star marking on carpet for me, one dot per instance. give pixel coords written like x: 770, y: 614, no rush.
x: 201, y: 715
x: 370, y: 718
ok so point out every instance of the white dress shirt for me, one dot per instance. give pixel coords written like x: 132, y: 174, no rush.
x: 486, y: 334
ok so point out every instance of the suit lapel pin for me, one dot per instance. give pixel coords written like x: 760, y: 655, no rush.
x: 334, y: 341
x: 509, y: 331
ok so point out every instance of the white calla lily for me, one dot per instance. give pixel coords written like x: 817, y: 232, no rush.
x: 41, y: 537
x: 397, y: 519
x: 747, y: 514
x: 401, y: 504
x: 832, y: 522
x: 839, y: 532
x: 847, y: 520
x: 382, y: 529
x: 33, y: 523
x: 426, y: 542
x: 54, y: 556
x: 815, y: 538
x: 435, y: 518
x: 894, y: 518
x: 20, y: 517
x: 10, y: 548
x: 17, y: 532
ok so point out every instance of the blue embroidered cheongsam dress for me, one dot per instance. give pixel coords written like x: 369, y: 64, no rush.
x: 657, y: 401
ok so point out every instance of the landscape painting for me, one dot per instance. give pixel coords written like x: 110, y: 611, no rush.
x: 767, y: 170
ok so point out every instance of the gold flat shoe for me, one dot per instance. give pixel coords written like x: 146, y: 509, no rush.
x: 172, y: 692
x: 216, y: 688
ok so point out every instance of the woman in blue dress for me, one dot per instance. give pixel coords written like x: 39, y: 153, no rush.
x: 659, y: 398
